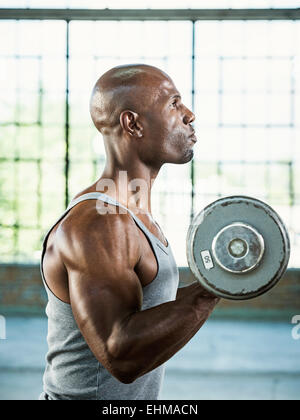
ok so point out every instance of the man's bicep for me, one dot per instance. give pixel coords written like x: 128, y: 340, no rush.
x: 100, y: 307
x: 100, y: 302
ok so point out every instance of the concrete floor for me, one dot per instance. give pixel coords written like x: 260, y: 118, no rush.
x: 225, y: 360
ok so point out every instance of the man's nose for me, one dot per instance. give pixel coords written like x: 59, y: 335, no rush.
x: 189, y: 117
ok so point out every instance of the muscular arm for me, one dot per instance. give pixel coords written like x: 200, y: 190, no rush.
x: 106, y: 298
x: 153, y: 336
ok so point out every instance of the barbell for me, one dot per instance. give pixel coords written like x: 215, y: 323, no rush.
x: 238, y: 247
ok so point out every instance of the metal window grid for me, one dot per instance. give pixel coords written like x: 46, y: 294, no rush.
x: 192, y: 15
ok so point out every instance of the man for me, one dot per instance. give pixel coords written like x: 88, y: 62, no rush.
x: 115, y: 315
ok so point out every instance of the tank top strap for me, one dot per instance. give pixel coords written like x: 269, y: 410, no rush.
x: 109, y: 200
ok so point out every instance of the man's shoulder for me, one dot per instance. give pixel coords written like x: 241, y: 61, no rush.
x: 87, y: 232
x: 94, y: 216
x: 88, y: 238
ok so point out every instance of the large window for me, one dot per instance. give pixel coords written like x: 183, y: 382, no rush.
x: 240, y: 77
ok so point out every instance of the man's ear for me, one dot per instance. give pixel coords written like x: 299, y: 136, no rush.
x: 130, y: 122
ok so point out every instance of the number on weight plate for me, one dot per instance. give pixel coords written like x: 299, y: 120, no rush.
x: 207, y: 260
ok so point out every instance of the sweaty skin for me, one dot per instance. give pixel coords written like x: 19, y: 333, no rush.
x: 144, y: 124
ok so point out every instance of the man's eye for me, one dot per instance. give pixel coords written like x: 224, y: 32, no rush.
x: 174, y: 103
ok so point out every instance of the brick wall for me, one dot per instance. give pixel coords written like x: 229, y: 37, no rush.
x: 21, y: 289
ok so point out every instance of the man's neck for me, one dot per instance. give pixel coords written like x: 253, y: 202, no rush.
x: 131, y: 187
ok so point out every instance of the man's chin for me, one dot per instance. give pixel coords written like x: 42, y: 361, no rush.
x: 187, y: 157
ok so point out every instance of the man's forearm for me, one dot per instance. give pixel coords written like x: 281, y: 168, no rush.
x: 183, y: 291
x: 149, y: 338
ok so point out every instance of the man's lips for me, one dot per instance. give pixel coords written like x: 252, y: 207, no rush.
x: 193, y: 137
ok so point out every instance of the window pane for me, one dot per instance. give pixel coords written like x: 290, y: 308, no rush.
x: 7, y: 244
x: 53, y: 144
x: 53, y: 180
x: 54, y: 109
x: 81, y: 175
x: 52, y: 205
x: 7, y: 209
x: 32, y: 239
x: 29, y: 142
x: 7, y: 177
x: 8, y: 106
x: 29, y: 74
x: 7, y: 141
x: 27, y: 178
x: 27, y: 108
x: 81, y: 144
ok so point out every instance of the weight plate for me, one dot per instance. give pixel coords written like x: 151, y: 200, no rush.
x: 238, y: 247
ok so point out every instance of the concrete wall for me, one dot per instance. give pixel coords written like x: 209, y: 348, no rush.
x: 22, y: 292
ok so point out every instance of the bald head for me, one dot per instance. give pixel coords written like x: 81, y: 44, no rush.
x: 130, y: 87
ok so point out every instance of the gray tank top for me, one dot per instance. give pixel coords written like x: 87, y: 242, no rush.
x: 72, y: 371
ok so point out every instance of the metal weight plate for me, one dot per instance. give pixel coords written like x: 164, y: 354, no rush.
x: 238, y: 247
